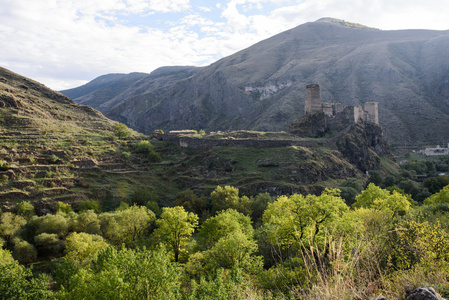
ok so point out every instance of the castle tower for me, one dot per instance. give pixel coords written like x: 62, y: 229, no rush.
x: 372, y: 109
x: 312, y: 104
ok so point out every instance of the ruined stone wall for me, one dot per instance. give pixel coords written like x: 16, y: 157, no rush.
x: 204, y: 143
x: 372, y: 110
x: 312, y: 104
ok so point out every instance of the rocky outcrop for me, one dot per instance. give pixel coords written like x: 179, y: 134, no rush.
x: 423, y: 294
x: 363, y: 145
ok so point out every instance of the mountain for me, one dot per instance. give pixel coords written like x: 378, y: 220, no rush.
x: 262, y: 87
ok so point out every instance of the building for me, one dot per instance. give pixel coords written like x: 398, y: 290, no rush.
x: 435, y: 151
x: 352, y: 114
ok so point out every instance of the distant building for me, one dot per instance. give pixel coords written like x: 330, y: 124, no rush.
x: 435, y: 151
x: 353, y: 114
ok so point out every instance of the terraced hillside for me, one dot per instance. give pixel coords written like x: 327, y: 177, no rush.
x: 52, y: 149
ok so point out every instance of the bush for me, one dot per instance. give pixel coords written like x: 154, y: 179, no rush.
x: 89, y: 204
x: 25, y: 209
x: 144, y: 146
x: 121, y: 130
x: 153, y: 156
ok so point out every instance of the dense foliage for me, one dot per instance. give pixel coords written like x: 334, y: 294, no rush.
x: 298, y: 246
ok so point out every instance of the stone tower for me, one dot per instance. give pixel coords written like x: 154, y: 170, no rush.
x: 372, y: 110
x: 312, y: 104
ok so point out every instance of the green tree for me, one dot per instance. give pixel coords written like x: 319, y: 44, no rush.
x: 126, y: 226
x: 127, y: 274
x: 84, y: 247
x: 121, y: 130
x: 234, y: 250
x: 24, y: 252
x: 17, y: 282
x: 25, y: 209
x: 228, y: 197
x: 441, y: 197
x: 175, y: 227
x: 49, y: 244
x: 301, y: 218
x: 381, y: 199
x: 9, y: 225
x: 225, y: 223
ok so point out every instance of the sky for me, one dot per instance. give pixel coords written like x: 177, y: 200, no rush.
x: 66, y: 43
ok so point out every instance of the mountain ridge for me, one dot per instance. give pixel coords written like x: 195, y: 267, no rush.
x: 262, y: 87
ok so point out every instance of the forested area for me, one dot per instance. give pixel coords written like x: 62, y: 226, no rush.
x: 228, y: 246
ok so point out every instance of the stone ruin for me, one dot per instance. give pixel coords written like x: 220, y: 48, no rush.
x: 352, y: 114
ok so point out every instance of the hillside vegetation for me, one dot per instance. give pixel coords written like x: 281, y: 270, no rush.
x: 92, y: 210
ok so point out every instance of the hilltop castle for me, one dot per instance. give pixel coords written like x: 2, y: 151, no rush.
x: 351, y: 114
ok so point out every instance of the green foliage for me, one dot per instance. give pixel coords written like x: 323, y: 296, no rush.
x: 228, y: 197
x: 121, y: 130
x: 126, y: 226
x: 84, y: 247
x: 381, y: 199
x: 153, y: 156
x: 301, y: 218
x: 89, y: 204
x: 234, y: 251
x: 24, y: 252
x: 441, y: 197
x: 4, y: 165
x: 25, y: 209
x: 142, y: 195
x: 225, y: 223
x: 193, y: 203
x: 127, y: 274
x: 63, y: 207
x: 420, y: 243
x: 202, y: 132
x: 175, y: 227
x: 144, y: 146
x: 125, y: 155
x: 49, y: 244
x: 17, y: 283
x: 9, y: 225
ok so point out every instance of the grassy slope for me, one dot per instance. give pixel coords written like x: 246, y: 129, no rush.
x: 53, y: 149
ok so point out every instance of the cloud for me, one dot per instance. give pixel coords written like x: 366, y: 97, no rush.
x: 65, y: 43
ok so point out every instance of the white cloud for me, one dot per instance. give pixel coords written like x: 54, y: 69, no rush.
x: 63, y: 43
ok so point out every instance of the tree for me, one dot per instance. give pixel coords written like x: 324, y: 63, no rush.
x: 121, y: 130
x: 441, y: 197
x: 83, y: 246
x: 381, y: 199
x: 225, y: 223
x: 301, y: 218
x: 126, y: 226
x: 175, y: 227
x: 10, y: 224
x: 127, y: 274
x: 25, y: 209
x: 234, y: 250
x: 228, y: 197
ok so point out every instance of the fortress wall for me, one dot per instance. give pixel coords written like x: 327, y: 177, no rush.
x: 198, y: 143
x: 312, y: 102
x: 202, y: 143
x: 372, y: 110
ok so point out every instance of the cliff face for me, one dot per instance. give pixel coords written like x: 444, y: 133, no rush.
x: 363, y: 145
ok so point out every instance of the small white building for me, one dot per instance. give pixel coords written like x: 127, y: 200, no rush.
x: 436, y: 151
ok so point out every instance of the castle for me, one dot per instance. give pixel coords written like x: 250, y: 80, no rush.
x: 351, y: 114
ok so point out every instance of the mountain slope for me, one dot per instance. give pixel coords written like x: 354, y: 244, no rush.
x: 262, y: 87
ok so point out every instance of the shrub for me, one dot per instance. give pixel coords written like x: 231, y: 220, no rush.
x: 121, y: 130
x: 3, y: 165
x: 25, y: 209
x: 144, y: 146
x: 153, y: 156
x: 89, y: 204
